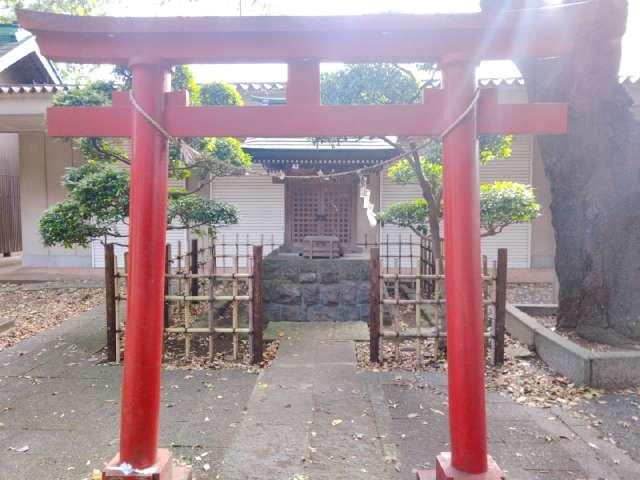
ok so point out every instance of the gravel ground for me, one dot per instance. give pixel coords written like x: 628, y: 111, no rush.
x: 530, y: 293
x: 36, y: 307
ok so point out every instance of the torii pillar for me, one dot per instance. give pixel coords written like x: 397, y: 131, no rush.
x: 139, y: 421
x: 465, y: 321
x: 151, y: 45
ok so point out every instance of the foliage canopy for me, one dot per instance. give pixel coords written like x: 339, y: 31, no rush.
x: 98, y: 198
x: 502, y: 203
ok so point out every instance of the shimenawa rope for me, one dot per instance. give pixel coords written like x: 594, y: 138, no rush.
x: 189, y: 153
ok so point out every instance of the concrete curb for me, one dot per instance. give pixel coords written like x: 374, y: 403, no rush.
x: 616, y: 369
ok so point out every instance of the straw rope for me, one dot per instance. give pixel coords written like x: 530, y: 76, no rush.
x: 190, y: 154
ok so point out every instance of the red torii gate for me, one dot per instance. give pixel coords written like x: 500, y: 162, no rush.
x: 150, y: 46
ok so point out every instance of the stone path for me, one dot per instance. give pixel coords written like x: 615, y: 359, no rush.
x: 309, y: 415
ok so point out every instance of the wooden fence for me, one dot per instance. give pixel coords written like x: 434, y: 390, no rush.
x: 10, y: 229
x: 197, y: 288
x: 408, y: 254
x: 391, y: 291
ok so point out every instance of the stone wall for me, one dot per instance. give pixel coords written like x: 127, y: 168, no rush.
x: 304, y: 290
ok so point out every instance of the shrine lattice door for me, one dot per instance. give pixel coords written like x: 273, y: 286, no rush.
x: 320, y: 208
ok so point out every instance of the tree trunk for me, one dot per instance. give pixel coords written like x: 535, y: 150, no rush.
x: 594, y: 175
x: 433, y: 202
x: 436, y: 240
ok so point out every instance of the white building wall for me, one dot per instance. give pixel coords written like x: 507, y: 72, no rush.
x: 43, y: 162
x: 390, y: 193
x: 260, y: 204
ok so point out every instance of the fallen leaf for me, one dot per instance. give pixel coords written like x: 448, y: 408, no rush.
x: 19, y: 449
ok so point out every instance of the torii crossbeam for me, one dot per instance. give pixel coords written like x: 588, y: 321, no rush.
x: 150, y: 46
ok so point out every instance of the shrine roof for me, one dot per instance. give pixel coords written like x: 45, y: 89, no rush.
x: 301, y: 149
x: 20, y: 56
x: 310, y: 144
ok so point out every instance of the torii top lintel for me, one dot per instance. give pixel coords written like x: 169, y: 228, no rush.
x: 302, y: 43
x: 540, y: 32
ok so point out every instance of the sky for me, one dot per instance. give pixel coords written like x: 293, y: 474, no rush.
x: 273, y: 73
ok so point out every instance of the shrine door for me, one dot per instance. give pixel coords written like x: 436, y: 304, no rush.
x: 325, y: 207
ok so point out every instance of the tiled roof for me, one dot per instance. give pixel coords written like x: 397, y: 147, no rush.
x: 262, y: 86
x: 259, y: 86
x: 630, y: 80
x: 35, y: 88
x: 485, y: 82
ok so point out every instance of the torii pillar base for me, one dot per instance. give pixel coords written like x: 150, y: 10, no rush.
x: 163, y: 469
x: 444, y: 471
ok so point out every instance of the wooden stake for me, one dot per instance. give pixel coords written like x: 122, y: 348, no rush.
x: 194, y: 266
x: 436, y: 316
x: 234, y: 307
x: 167, y: 281
x: 485, y: 288
x: 119, y: 325
x: 187, y: 312
x: 374, y: 306
x: 256, y: 337
x: 223, y: 254
x: 501, y: 305
x: 387, y: 258
x: 211, y: 292
x: 418, y: 324
x: 411, y: 252
x: 110, y: 300
x: 395, y: 318
x: 399, y: 259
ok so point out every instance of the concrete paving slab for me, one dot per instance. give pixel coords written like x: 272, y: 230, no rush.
x: 619, y: 413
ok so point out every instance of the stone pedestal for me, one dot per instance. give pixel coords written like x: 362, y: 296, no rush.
x: 162, y: 470
x: 308, y: 290
x: 444, y: 471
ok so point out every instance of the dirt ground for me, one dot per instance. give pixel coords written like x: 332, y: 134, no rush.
x: 38, y: 306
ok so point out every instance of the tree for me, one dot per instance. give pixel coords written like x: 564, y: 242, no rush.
x: 392, y: 83
x: 72, y: 7
x: 220, y: 93
x: 98, y: 200
x: 501, y: 204
x: 593, y: 173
